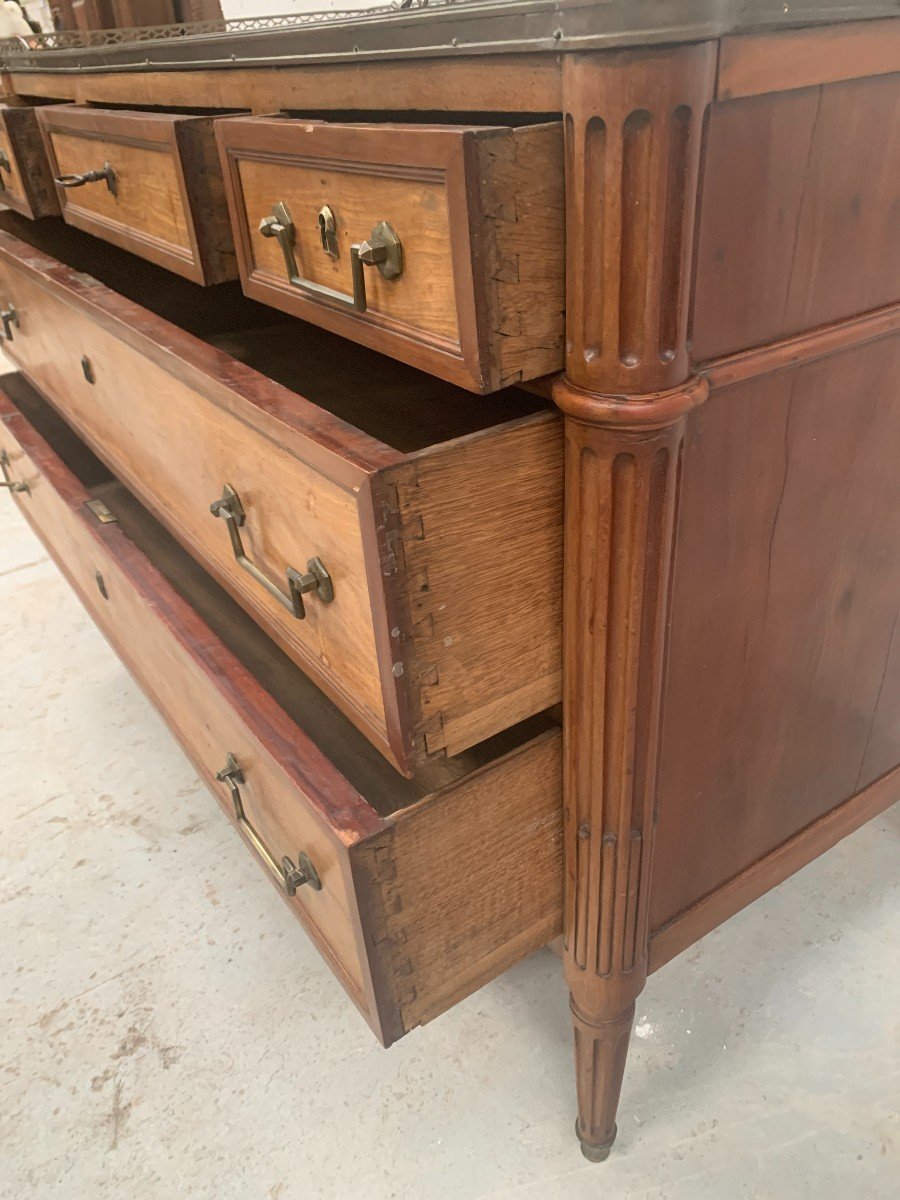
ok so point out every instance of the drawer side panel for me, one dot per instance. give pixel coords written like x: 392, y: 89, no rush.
x: 465, y: 884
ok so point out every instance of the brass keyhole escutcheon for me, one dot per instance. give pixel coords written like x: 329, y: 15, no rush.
x: 328, y: 231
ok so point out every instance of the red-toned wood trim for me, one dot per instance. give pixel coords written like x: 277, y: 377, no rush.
x: 341, y: 811
x: 338, y: 805
x: 346, y: 454
x: 804, y: 348
x: 701, y: 918
x: 755, y: 63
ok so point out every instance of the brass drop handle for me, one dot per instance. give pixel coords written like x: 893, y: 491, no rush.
x: 105, y: 173
x: 9, y: 318
x: 289, y: 875
x: 383, y: 250
x: 14, y: 485
x: 315, y: 579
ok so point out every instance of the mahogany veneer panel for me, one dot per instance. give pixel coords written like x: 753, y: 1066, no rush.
x: 800, y: 213
x: 783, y: 695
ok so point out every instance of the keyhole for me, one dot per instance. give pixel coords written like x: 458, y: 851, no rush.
x: 327, y: 231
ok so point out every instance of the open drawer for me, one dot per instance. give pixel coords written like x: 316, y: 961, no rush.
x: 146, y: 181
x: 432, y: 522
x: 416, y: 892
x: 26, y: 184
x: 442, y: 246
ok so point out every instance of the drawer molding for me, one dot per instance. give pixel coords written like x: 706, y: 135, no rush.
x: 417, y: 909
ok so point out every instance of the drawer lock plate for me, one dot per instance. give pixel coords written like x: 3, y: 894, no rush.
x: 288, y: 874
x: 314, y: 581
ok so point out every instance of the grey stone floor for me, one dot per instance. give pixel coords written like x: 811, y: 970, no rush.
x: 168, y: 1031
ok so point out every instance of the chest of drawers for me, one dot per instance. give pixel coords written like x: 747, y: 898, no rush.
x: 465, y: 673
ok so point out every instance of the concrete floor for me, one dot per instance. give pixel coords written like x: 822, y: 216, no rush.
x: 168, y: 1031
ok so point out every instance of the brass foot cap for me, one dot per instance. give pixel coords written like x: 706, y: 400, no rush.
x: 596, y: 1154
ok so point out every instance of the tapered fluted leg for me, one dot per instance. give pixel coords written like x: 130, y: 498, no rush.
x: 600, y: 1052
x: 633, y: 135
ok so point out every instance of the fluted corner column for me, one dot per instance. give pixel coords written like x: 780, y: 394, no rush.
x: 633, y: 138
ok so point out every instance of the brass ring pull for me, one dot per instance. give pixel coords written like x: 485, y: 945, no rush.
x: 8, y: 318
x: 288, y: 874
x: 316, y: 579
x: 14, y: 485
x: 106, y: 173
x: 383, y: 250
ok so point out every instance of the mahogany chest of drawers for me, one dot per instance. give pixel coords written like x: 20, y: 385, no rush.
x: 481, y: 451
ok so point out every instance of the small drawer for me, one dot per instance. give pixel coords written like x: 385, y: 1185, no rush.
x: 402, y: 543
x: 441, y: 246
x: 26, y: 183
x: 146, y: 181
x: 416, y: 892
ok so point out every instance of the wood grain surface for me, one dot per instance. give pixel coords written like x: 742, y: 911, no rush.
x: 394, y: 905
x: 800, y: 215
x: 490, y: 83
x: 27, y: 187
x: 168, y: 201
x: 479, y: 213
x: 783, y: 697
x: 437, y: 638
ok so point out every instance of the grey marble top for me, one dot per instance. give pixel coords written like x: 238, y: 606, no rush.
x: 424, y: 29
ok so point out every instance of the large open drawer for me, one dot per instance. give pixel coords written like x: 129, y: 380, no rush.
x: 417, y: 891
x: 437, y: 518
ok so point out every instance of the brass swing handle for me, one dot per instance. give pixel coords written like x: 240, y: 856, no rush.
x: 316, y: 578
x: 14, y: 485
x: 289, y: 875
x: 383, y: 250
x: 105, y: 172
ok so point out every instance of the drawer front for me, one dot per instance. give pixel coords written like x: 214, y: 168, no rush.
x: 178, y: 450
x: 148, y: 182
x: 439, y: 246
x: 413, y: 912
x: 204, y: 694
x: 26, y: 184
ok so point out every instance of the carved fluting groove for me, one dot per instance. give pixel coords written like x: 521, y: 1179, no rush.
x: 633, y: 136
x: 618, y: 555
x: 600, y: 1052
x: 633, y: 132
